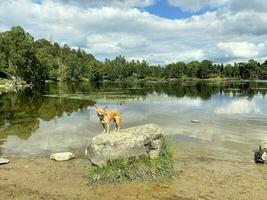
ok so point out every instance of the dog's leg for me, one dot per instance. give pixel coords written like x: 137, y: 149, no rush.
x: 116, y: 125
x: 104, y: 127
x: 116, y: 128
x: 108, y: 128
x: 117, y: 121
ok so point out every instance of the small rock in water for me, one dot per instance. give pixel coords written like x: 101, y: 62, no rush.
x: 260, y: 156
x: 64, y: 156
x: 3, y: 161
x: 195, y: 121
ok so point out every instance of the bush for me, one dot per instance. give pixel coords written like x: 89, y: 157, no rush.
x: 141, y: 169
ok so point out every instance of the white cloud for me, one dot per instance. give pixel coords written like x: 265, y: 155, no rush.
x: 113, y: 29
x: 195, y: 5
x: 113, y: 3
x: 248, y: 5
x: 169, y: 57
x: 241, y: 49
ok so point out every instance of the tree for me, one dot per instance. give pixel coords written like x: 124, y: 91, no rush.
x: 252, y: 69
x: 205, y: 69
x: 45, y: 54
x: 228, y: 70
x: 3, y: 60
x: 249, y: 70
x: 37, y: 61
x: 192, y: 69
x: 22, y: 62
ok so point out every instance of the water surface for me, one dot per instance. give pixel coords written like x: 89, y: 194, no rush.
x: 59, y: 117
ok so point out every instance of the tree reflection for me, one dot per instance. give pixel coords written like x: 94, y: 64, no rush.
x: 20, y: 113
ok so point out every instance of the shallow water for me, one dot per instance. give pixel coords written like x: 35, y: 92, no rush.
x: 58, y: 117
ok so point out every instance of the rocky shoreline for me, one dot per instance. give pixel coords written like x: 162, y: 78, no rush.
x: 10, y: 85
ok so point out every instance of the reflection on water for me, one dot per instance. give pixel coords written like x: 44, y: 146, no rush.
x: 59, y: 117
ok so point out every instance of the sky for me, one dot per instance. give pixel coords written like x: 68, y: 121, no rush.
x: 158, y: 31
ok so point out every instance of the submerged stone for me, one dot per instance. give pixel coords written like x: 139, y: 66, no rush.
x: 131, y: 142
x: 195, y: 121
x: 3, y: 161
x: 63, y: 156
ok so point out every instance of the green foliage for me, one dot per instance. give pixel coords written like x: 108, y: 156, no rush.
x: 175, y: 70
x: 37, y: 61
x: 19, y: 55
x: 141, y: 169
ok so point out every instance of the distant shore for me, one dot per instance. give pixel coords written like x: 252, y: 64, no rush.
x: 10, y: 83
x: 7, y: 83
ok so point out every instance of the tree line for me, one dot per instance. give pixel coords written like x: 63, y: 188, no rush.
x: 35, y: 61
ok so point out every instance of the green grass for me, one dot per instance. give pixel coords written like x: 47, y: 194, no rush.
x: 140, y: 169
x: 3, y: 81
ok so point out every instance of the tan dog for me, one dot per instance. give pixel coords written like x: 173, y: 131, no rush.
x: 106, y: 117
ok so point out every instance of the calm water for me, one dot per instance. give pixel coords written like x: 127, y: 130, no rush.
x: 59, y: 117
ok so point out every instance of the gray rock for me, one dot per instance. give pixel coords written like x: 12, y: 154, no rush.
x: 62, y: 156
x: 260, y: 156
x: 3, y: 161
x: 135, y: 141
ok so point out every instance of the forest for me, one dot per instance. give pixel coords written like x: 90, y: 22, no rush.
x: 36, y: 61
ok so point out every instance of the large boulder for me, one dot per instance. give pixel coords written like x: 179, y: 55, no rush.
x: 135, y: 141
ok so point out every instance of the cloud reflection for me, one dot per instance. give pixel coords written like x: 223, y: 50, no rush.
x: 241, y: 106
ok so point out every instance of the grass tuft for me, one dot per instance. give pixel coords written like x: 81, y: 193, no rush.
x: 140, y: 169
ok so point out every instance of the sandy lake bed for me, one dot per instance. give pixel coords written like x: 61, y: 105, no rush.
x: 198, y: 177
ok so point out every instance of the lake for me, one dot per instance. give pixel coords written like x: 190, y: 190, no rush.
x: 35, y: 122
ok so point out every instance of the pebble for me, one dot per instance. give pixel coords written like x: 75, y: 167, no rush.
x: 3, y: 161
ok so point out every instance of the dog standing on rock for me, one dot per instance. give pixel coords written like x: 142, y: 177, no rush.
x: 106, y: 118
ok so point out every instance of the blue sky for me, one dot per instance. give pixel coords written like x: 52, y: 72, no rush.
x: 158, y: 31
x: 164, y: 9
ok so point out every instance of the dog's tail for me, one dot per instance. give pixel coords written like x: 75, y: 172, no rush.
x: 118, y: 120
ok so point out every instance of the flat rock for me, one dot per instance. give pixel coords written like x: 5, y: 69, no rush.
x: 3, y: 161
x: 130, y: 142
x: 63, y: 156
x: 195, y: 121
